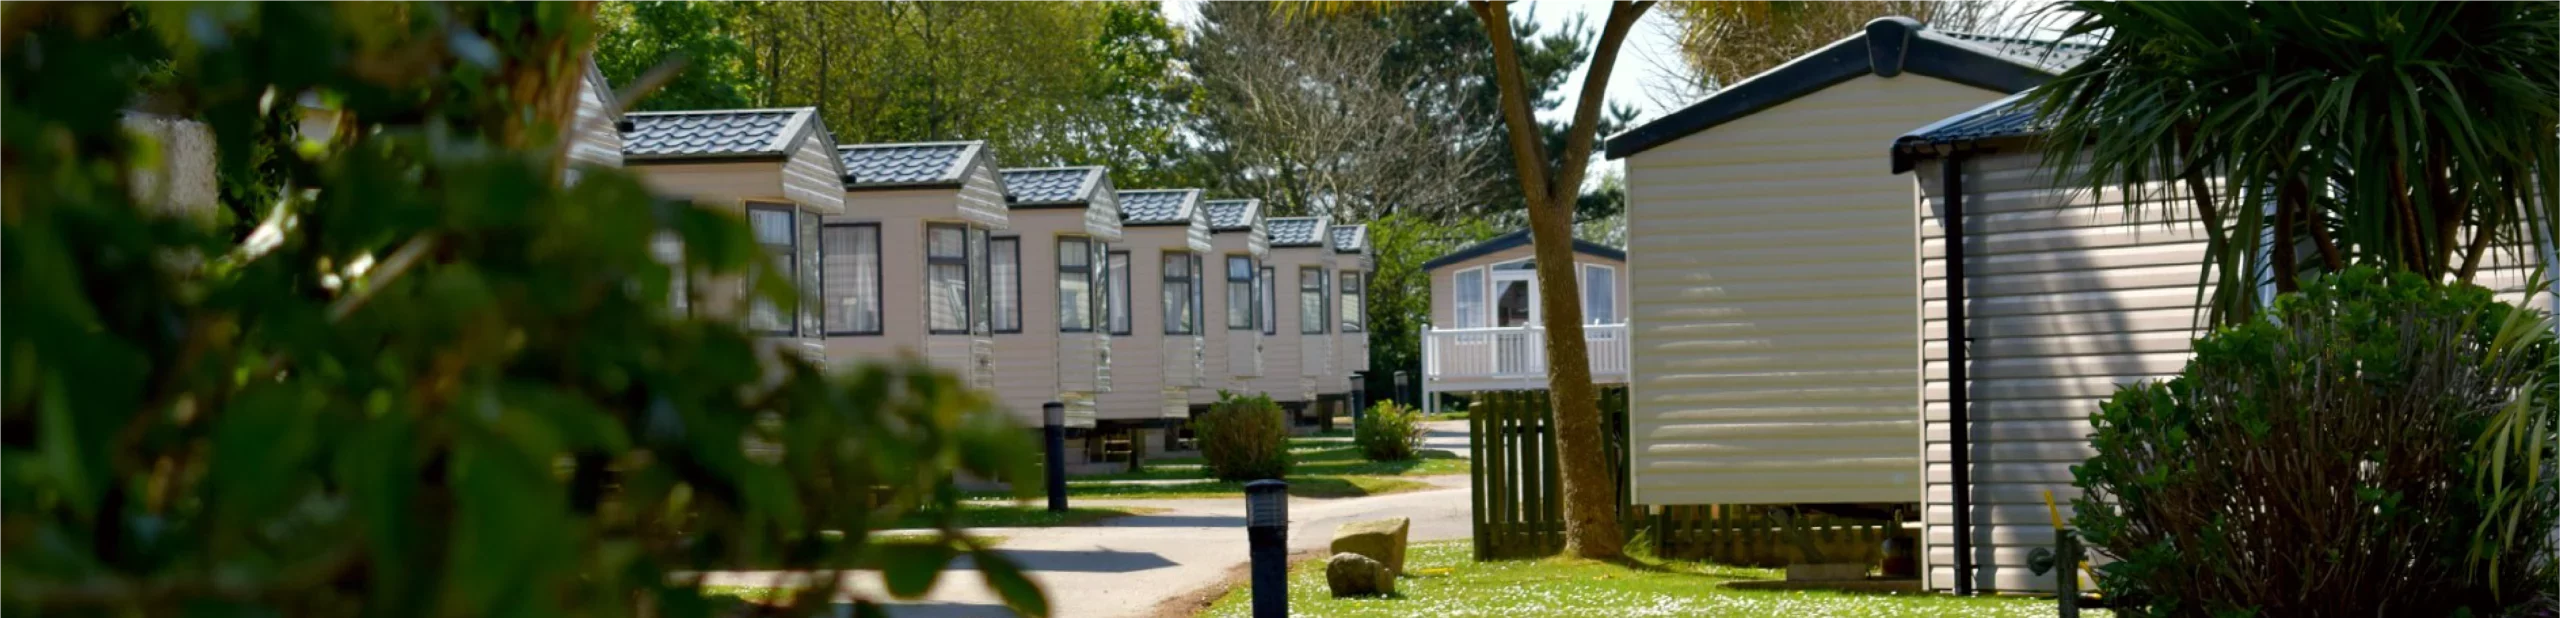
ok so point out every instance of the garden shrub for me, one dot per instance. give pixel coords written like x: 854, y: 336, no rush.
x: 1389, y: 432
x: 2331, y: 460
x: 1243, y: 438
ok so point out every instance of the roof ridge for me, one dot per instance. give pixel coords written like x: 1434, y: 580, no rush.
x: 2057, y: 42
x: 705, y: 112
x: 1052, y: 168
x: 1886, y: 47
x: 964, y: 142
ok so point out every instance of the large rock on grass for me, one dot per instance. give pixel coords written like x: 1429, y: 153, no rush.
x: 1355, y: 575
x: 1379, y: 539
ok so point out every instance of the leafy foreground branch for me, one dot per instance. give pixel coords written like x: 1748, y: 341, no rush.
x: 511, y: 421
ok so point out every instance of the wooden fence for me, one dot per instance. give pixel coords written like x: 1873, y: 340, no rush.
x: 1518, y: 505
x: 1749, y: 535
x: 1519, y: 496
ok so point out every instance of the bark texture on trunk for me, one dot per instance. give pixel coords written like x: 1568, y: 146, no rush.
x: 1590, y: 491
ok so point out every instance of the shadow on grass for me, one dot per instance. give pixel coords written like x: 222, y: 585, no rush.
x: 1299, y: 486
x: 1311, y: 459
x: 1014, y: 516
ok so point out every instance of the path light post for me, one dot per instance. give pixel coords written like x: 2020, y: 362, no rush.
x: 1359, y: 396
x: 1266, y: 524
x: 1053, y: 423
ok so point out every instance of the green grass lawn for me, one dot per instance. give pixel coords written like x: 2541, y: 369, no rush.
x: 1445, y: 581
x: 1326, y: 467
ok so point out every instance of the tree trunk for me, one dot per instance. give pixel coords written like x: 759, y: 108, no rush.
x: 1590, y: 490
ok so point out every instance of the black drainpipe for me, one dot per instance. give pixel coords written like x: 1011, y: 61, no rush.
x: 1960, y: 429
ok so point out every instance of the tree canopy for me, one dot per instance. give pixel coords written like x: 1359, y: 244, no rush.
x: 435, y: 379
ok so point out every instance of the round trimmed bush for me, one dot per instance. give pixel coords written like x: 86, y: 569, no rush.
x: 1389, y: 432
x: 2348, y: 455
x: 1243, y: 438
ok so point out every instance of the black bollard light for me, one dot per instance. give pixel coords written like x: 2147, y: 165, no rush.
x: 1266, y: 525
x: 1359, y: 396
x: 1054, y: 423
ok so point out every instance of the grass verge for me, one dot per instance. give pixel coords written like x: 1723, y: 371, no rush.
x: 1326, y: 467
x: 1446, y: 581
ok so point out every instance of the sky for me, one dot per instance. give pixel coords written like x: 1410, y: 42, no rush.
x: 1647, y: 65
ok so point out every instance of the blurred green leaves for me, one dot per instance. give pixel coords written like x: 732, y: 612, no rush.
x: 440, y: 383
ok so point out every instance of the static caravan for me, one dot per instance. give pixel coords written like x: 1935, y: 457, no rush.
x: 1155, y: 280
x: 1776, y: 310
x: 1351, y: 334
x: 1487, y: 332
x: 931, y: 208
x: 1233, y: 341
x: 2065, y: 299
x: 1299, y: 353
x: 776, y: 168
x: 1047, y: 268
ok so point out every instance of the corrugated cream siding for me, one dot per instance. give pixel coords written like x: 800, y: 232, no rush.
x: 2068, y: 300
x: 731, y: 186
x: 1227, y: 356
x: 1774, y: 314
x: 1031, y: 369
x: 1139, y: 389
x: 595, y: 140
x: 1351, y: 350
x: 903, y: 215
x: 1215, y: 373
x: 982, y: 194
x: 1284, y: 361
x: 1102, y: 220
x: 810, y: 176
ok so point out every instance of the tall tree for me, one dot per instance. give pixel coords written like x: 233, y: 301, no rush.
x: 1550, y: 188
x: 1136, y: 97
x: 1306, y: 115
x: 705, y: 36
x: 1723, y: 42
x: 1043, y: 83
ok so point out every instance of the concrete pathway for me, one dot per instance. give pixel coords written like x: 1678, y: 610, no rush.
x: 1126, y: 566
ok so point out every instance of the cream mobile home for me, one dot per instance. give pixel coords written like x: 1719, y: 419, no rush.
x: 1487, y: 332
x: 908, y: 260
x: 1048, y: 269
x: 1775, y: 311
x: 777, y: 169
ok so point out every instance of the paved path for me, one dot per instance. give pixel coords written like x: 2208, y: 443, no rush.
x: 1126, y: 566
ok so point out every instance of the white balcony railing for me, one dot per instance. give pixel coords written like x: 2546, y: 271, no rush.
x: 1454, y: 358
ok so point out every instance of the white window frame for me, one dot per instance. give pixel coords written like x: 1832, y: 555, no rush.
x: 1004, y: 318
x: 1462, y: 314
x: 1067, y: 322
x: 1251, y: 312
x: 1609, y: 292
x: 835, y: 298
x: 1190, y: 280
x: 1321, y: 322
x: 787, y: 318
x: 934, y: 298
x: 1116, y: 283
x: 1352, y: 295
x: 1269, y: 297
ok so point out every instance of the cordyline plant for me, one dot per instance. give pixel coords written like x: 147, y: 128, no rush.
x: 2309, y: 136
x: 437, y: 379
